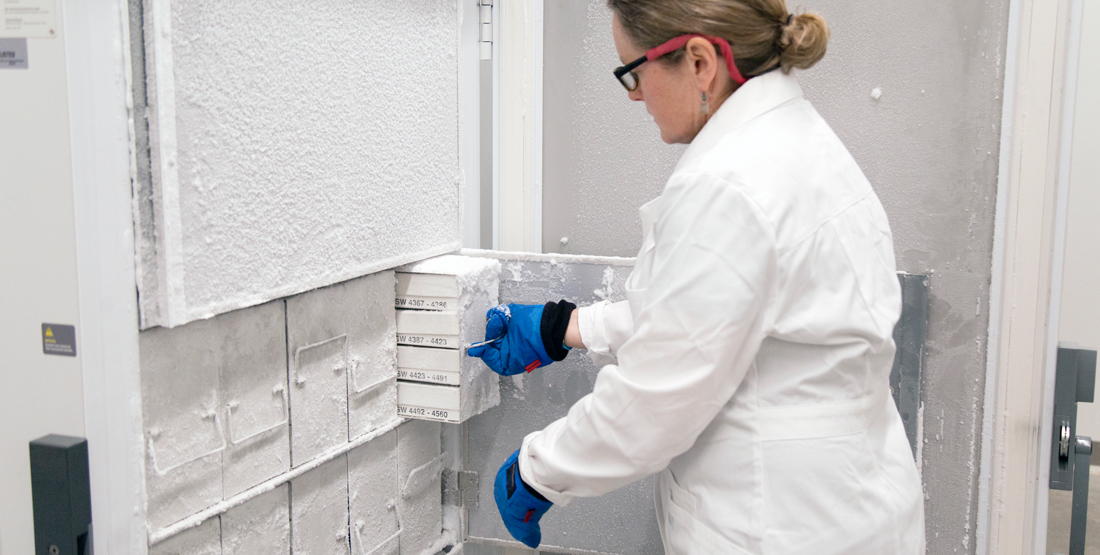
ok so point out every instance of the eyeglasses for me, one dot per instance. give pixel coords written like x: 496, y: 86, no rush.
x: 629, y: 79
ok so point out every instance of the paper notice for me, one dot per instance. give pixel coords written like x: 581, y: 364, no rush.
x: 28, y: 18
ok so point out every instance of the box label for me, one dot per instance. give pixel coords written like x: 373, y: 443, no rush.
x: 426, y: 303
x: 429, y: 376
x: 443, y: 341
x: 421, y: 413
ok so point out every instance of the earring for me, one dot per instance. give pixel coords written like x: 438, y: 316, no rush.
x: 704, y: 108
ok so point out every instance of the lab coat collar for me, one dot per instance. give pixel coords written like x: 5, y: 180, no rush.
x: 756, y: 97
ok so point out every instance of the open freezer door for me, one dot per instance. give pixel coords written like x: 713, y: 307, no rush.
x: 621, y: 522
x: 624, y: 521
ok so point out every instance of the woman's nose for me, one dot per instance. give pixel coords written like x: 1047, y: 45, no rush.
x: 635, y: 94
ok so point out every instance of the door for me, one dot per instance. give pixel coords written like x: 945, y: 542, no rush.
x: 1079, y: 317
x: 623, y: 521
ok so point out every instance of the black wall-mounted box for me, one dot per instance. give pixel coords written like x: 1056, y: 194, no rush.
x: 62, y: 496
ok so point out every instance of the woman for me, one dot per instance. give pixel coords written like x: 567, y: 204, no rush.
x: 750, y: 364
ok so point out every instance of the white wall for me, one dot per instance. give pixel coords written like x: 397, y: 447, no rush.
x: 1080, y: 310
x: 41, y: 394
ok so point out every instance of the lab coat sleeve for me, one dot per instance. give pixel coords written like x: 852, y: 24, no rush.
x: 710, y: 277
x: 604, y: 328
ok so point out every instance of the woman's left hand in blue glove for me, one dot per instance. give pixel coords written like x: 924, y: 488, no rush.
x: 522, y: 337
x: 520, y: 506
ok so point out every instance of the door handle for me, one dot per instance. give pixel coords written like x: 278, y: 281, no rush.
x: 153, y: 452
x: 233, y: 405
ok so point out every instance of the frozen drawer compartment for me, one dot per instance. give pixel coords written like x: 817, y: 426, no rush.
x: 424, y: 364
x: 441, y: 304
x: 429, y: 402
x: 427, y: 291
x: 428, y: 329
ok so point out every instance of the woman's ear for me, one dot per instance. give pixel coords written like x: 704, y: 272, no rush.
x: 703, y: 61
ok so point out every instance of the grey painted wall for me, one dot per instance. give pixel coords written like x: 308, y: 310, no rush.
x: 929, y: 145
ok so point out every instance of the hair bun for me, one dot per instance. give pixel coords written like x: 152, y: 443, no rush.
x: 803, y: 41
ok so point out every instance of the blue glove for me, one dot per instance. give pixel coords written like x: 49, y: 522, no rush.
x: 520, y: 506
x: 522, y: 337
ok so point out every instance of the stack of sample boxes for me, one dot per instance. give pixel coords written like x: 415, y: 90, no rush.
x: 441, y: 304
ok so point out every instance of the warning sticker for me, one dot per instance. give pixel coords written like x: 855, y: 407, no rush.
x: 59, y: 339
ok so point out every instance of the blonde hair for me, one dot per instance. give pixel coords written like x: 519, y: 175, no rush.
x: 762, y: 34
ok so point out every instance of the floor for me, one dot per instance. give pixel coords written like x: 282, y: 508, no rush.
x: 1059, y: 518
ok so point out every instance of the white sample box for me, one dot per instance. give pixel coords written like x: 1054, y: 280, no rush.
x: 441, y: 305
x: 427, y: 365
x: 429, y: 402
x: 423, y: 328
x: 427, y: 292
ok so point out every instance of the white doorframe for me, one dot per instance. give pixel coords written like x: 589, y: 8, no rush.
x: 97, y: 60
x: 1024, y: 293
x: 519, y: 125
x: 1064, y: 150
x: 469, y: 121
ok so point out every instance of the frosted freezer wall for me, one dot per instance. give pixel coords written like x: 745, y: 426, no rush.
x: 290, y: 146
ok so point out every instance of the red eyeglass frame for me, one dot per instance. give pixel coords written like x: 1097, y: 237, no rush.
x: 672, y: 46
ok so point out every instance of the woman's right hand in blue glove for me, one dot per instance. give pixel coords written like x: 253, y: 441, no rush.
x: 522, y: 337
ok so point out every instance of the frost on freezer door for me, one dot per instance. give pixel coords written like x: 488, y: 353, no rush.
x: 204, y: 539
x: 254, y: 388
x: 319, y: 510
x: 372, y: 487
x: 183, y: 421
x: 442, y: 303
x: 343, y: 171
x: 419, y: 465
x: 260, y: 526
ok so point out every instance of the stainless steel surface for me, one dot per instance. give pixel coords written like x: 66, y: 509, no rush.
x: 619, y: 522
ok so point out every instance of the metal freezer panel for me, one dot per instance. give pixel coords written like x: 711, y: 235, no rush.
x: 343, y: 360
x: 319, y: 510
x: 204, y: 539
x: 373, y: 491
x: 260, y: 526
x: 372, y: 346
x: 419, y: 464
x: 254, y: 389
x: 183, y: 415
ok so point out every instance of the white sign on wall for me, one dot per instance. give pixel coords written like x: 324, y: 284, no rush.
x: 28, y: 18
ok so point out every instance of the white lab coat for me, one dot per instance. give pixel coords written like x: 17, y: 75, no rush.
x: 753, y: 352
